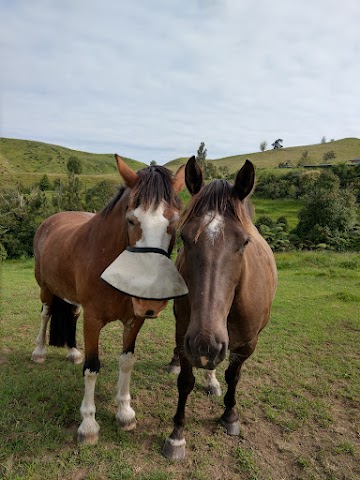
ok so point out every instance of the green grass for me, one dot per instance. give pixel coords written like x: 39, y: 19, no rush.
x: 298, y: 397
x: 277, y: 208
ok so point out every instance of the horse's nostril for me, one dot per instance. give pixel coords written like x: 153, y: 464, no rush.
x: 149, y: 313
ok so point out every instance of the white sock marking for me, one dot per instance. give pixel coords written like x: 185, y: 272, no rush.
x: 125, y: 414
x: 89, y: 426
x: 39, y: 354
x: 212, y: 384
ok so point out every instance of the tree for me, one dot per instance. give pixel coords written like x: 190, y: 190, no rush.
x: 153, y: 162
x: 323, y: 140
x: 201, y: 155
x: 68, y: 195
x: 304, y: 158
x: 21, y: 211
x: 74, y: 165
x: 44, y: 183
x: 329, y: 155
x: 263, y: 146
x: 277, y: 143
x: 96, y: 197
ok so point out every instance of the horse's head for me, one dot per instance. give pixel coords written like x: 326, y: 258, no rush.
x: 152, y: 216
x: 215, y: 231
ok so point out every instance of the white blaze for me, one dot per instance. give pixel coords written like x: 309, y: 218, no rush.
x: 154, y: 227
x: 214, y: 225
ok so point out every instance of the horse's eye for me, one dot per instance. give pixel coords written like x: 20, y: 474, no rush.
x: 130, y: 222
x: 246, y: 242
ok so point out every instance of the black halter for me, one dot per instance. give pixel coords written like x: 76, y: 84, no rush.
x: 147, y: 250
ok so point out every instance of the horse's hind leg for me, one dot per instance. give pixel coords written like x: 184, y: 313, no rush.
x: 174, y: 365
x: 212, y: 384
x: 74, y: 355
x: 39, y: 354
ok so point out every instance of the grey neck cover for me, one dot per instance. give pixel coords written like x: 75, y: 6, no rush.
x: 147, y: 273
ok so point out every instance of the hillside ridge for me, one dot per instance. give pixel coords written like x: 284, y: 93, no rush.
x: 19, y: 158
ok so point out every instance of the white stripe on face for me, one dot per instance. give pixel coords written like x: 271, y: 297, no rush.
x: 214, y: 226
x: 154, y: 227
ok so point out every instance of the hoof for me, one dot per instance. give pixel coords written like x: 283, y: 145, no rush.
x: 87, y: 439
x: 214, y: 390
x: 35, y: 357
x: 231, y: 428
x: 175, y: 369
x: 126, y: 425
x: 174, y: 449
x: 74, y: 357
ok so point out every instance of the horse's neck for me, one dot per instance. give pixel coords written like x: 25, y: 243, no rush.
x: 111, y: 228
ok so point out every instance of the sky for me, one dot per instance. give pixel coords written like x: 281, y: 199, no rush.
x: 151, y: 79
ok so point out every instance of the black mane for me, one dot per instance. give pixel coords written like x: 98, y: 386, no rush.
x: 154, y: 185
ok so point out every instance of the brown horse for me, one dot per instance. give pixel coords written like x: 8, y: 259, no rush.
x: 72, y: 250
x: 231, y: 275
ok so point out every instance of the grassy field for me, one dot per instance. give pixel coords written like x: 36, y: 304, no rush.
x: 298, y: 397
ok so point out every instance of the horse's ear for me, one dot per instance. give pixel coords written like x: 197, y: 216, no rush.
x: 193, y: 176
x: 129, y: 176
x: 245, y: 180
x: 179, y: 179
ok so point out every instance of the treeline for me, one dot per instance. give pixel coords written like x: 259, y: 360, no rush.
x: 328, y: 218
x: 294, y: 185
x: 23, y: 209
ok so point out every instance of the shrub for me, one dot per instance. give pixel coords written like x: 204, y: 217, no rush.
x: 328, y: 214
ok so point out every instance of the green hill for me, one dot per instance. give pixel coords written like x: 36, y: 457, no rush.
x: 345, y: 150
x: 27, y: 161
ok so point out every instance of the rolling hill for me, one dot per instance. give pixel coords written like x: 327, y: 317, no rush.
x: 26, y: 161
x: 345, y: 150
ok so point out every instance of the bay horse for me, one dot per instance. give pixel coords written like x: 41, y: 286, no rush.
x: 231, y: 275
x: 72, y: 250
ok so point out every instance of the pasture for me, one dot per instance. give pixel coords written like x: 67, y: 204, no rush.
x: 299, y: 396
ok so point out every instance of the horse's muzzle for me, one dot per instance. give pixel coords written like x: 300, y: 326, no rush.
x: 148, y: 308
x: 205, y: 354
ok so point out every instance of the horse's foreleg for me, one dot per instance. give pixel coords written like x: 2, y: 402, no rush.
x: 88, y: 431
x: 39, y: 354
x: 212, y: 384
x: 125, y: 414
x: 230, y: 418
x: 174, y: 447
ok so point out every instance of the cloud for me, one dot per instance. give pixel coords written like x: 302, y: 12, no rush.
x: 152, y: 80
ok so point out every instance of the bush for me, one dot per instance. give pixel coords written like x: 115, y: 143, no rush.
x: 274, y: 232
x: 328, y: 214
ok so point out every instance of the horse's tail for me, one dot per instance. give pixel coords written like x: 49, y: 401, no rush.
x: 62, y: 324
